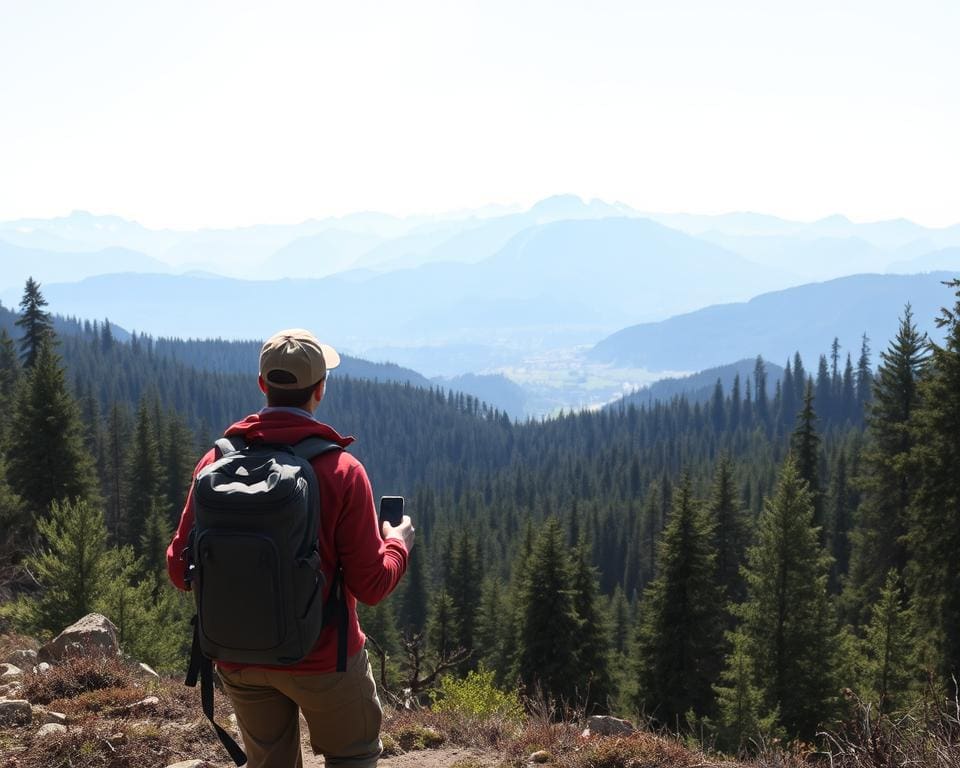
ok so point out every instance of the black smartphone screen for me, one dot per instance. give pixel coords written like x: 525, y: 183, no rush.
x: 391, y: 509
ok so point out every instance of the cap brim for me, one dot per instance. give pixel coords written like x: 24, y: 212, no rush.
x: 330, y: 356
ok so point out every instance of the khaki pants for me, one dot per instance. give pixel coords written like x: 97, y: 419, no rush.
x: 342, y: 712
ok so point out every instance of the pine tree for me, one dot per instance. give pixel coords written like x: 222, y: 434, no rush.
x: 51, y: 462
x: 594, y: 651
x: 489, y: 638
x: 718, y: 414
x: 117, y: 441
x: 9, y: 367
x: 805, y: 445
x: 864, y: 377
x: 760, y: 391
x: 888, y: 649
x: 878, y: 543
x: 680, y: 643
x: 741, y: 714
x: 841, y: 520
x: 70, y: 567
x: 179, y: 454
x: 125, y: 598
x: 413, y: 606
x: 934, y: 532
x: 731, y: 532
x: 145, y: 485
x: 13, y: 519
x: 548, y: 622
x: 790, y: 634
x: 379, y: 623
x: 823, y: 392
x: 441, y: 625
x: 35, y: 322
x: 464, y: 590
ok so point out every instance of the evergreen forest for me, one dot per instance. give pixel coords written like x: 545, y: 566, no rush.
x: 742, y: 568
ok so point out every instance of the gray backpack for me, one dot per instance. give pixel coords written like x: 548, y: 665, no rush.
x: 253, y: 563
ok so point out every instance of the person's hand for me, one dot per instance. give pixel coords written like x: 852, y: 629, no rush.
x: 404, y: 531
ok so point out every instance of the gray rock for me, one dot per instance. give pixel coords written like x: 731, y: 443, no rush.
x: 55, y: 717
x: 604, y: 725
x: 43, y: 667
x: 23, y: 657
x: 10, y: 689
x: 541, y: 756
x: 191, y: 764
x: 94, y: 633
x: 51, y: 729
x: 15, y: 712
x: 143, y: 706
x: 9, y: 673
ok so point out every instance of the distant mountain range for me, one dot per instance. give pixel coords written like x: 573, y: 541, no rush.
x: 804, y: 319
x: 570, y: 275
x: 378, y: 242
x: 466, y: 296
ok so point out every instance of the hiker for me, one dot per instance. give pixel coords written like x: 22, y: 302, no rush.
x: 333, y: 685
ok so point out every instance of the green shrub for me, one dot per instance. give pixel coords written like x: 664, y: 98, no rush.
x: 476, y: 695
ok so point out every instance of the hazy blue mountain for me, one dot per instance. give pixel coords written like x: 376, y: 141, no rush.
x: 589, y: 275
x: 805, y: 318
x: 885, y: 235
x: 494, y: 390
x: 322, y: 254
x: 473, y: 239
x: 626, y: 266
x: 945, y: 259
x: 820, y: 258
x: 46, y: 266
x: 83, y: 231
x: 698, y: 387
x: 739, y: 224
x: 448, y: 360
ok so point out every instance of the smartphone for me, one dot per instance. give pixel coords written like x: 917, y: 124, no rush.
x: 391, y: 509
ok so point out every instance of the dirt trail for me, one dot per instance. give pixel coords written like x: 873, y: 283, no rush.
x: 425, y: 758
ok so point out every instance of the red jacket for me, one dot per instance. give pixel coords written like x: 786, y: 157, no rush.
x: 349, y: 529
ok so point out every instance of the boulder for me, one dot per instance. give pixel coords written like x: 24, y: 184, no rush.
x: 94, y: 633
x: 10, y: 689
x: 9, y: 673
x: 23, y: 658
x: 51, y: 729
x: 43, y: 667
x: 55, y: 717
x: 15, y: 712
x: 604, y: 725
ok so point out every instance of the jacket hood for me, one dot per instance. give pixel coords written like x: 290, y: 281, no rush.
x: 284, y: 427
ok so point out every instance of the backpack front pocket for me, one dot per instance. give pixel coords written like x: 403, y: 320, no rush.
x: 242, y: 571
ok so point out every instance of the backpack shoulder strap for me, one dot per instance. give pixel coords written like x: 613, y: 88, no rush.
x: 227, y: 445
x: 312, y: 447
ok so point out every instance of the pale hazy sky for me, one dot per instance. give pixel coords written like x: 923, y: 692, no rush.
x: 193, y: 113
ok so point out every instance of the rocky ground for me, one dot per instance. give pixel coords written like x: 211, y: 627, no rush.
x: 77, y: 702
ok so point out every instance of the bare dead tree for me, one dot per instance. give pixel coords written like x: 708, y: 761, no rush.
x: 423, y: 669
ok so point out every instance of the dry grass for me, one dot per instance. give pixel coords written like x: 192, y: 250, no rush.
x: 105, y: 731
x: 928, y: 734
x: 74, y: 676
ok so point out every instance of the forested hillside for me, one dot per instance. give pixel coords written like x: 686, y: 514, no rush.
x: 728, y: 566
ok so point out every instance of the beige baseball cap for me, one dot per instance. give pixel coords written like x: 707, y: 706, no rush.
x: 295, y: 359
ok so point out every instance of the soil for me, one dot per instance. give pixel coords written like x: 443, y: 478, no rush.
x: 425, y: 758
